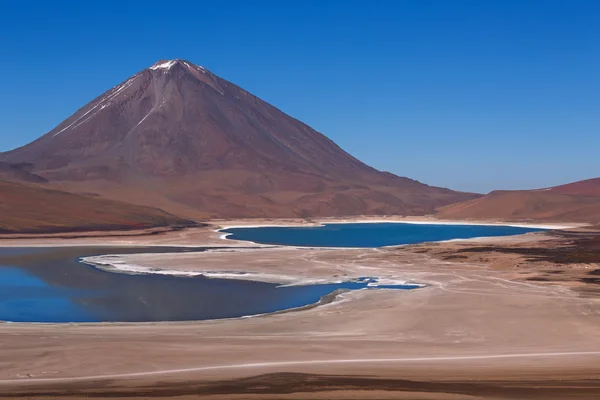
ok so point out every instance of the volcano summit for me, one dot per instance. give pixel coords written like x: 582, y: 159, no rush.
x: 178, y: 137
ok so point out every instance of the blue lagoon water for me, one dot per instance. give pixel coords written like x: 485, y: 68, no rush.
x: 368, y: 234
x: 25, y: 298
x: 51, y: 285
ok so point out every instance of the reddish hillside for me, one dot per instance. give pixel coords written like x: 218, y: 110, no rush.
x: 178, y: 137
x: 33, y: 209
x: 589, y: 187
x: 573, y: 202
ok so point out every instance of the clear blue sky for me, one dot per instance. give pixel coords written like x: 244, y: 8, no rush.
x: 472, y: 95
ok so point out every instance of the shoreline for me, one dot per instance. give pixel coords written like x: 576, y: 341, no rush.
x: 398, y: 220
x: 115, y: 265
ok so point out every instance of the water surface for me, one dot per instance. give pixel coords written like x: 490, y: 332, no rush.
x: 51, y: 285
x: 368, y: 234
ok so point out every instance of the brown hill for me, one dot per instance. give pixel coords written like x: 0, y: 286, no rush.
x: 33, y: 209
x: 574, y: 202
x: 178, y: 137
x: 588, y: 187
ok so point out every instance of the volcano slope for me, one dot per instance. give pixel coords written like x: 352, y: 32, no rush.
x: 178, y: 137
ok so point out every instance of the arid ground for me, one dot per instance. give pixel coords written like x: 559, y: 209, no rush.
x: 504, y: 318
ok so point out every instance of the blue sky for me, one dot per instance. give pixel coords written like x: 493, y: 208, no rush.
x: 472, y: 95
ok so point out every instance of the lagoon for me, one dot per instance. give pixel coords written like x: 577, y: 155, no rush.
x: 52, y: 285
x: 368, y: 235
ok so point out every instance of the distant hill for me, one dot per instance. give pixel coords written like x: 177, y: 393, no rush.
x: 588, y: 187
x: 27, y: 208
x: 178, y: 137
x: 576, y: 202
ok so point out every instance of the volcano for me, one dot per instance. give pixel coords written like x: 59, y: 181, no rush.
x: 178, y: 137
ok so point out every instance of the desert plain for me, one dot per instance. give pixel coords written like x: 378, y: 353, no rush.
x: 498, y: 318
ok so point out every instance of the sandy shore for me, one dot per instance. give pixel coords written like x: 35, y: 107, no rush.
x: 480, y: 329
